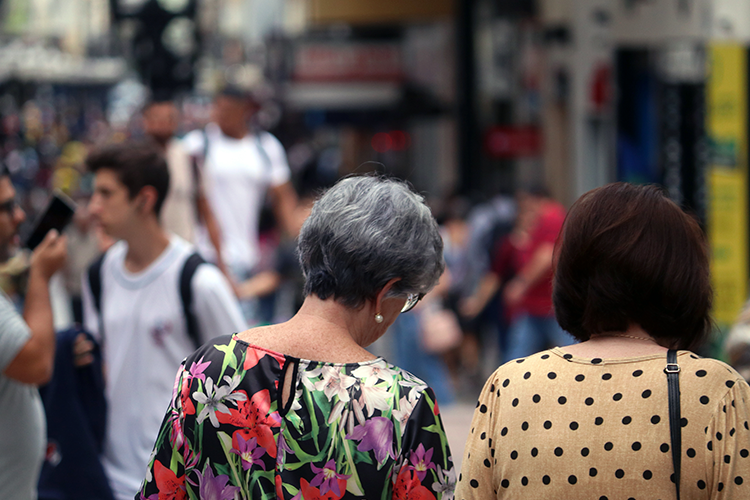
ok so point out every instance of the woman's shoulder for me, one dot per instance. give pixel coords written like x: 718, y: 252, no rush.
x: 527, y: 363
x: 707, y: 372
x: 553, y: 361
x: 224, y: 346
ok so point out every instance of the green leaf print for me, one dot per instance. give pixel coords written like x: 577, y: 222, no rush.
x: 229, y: 357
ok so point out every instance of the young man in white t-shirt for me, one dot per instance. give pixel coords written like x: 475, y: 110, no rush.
x: 140, y: 319
x: 239, y: 169
x: 186, y: 204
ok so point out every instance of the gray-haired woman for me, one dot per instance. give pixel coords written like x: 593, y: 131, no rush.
x: 301, y: 410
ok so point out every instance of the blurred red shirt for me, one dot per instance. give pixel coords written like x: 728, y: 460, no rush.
x: 511, y: 258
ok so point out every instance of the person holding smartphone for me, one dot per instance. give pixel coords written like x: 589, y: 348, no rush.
x: 27, y: 352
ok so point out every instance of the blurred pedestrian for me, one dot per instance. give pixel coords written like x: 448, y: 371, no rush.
x: 150, y: 301
x: 600, y: 419
x: 27, y: 352
x: 84, y: 246
x: 186, y: 204
x: 528, y: 294
x: 302, y: 409
x: 522, y: 269
x: 506, y: 262
x: 241, y: 167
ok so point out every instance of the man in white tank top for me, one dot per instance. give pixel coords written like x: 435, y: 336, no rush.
x: 186, y: 205
x: 140, y: 320
x: 241, y: 168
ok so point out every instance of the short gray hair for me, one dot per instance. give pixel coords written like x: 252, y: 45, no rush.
x: 365, y: 231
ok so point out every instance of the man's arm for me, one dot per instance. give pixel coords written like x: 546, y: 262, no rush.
x: 539, y: 265
x: 284, y: 199
x: 216, y: 307
x: 206, y: 216
x: 259, y: 285
x: 475, y: 304
x: 35, y: 361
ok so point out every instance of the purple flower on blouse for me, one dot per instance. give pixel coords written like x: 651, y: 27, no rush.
x: 375, y: 434
x: 327, y: 478
x: 249, y: 453
x: 283, y: 449
x: 421, y: 461
x: 197, y: 369
x: 212, y: 487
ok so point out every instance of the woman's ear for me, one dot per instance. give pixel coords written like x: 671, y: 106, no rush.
x: 383, y: 293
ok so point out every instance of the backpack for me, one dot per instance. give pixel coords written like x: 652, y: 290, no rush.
x: 76, y: 411
x: 186, y: 294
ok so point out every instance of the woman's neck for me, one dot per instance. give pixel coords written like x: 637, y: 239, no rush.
x: 322, y: 330
x: 607, y: 345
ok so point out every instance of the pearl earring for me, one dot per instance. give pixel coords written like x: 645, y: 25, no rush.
x: 378, y: 318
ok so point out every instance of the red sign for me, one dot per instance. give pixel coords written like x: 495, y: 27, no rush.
x: 513, y: 142
x: 329, y: 62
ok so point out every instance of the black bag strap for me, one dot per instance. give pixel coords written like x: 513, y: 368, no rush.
x: 199, y: 161
x: 186, y: 294
x: 206, y: 144
x: 675, y: 426
x: 95, y: 285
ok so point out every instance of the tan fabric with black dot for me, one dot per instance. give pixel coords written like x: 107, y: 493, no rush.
x: 553, y: 426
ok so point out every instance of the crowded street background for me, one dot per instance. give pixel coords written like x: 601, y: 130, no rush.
x: 192, y: 138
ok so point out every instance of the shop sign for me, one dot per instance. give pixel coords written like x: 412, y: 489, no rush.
x: 369, y: 12
x: 339, y: 62
x: 727, y: 127
x: 513, y: 142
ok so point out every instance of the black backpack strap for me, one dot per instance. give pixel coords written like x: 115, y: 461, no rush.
x: 199, y: 161
x: 205, y: 145
x: 95, y: 285
x: 186, y: 294
x: 675, y: 425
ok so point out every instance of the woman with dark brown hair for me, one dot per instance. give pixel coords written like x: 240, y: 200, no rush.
x: 599, y: 419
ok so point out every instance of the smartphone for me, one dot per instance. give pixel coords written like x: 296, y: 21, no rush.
x: 58, y: 214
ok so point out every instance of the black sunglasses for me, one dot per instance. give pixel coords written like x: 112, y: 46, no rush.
x: 9, y: 206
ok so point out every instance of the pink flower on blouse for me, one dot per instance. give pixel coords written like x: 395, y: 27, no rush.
x: 327, y: 478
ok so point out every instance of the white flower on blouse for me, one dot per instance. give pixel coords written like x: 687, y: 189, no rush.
x: 215, y: 397
x: 374, y: 398
x: 414, y: 385
x: 446, y: 484
x: 338, y: 410
x: 149, y: 475
x: 346, y: 412
x: 405, y: 407
x: 296, y: 405
x: 335, y: 383
x: 379, y: 370
x: 309, y: 377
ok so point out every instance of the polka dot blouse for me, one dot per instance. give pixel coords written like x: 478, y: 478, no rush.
x: 554, y: 426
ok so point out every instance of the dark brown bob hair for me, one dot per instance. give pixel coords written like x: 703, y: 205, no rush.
x: 137, y: 164
x: 627, y: 254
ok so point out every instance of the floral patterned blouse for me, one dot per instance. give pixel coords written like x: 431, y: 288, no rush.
x: 358, y: 430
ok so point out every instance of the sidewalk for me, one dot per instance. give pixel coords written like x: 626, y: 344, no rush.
x: 457, y: 421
